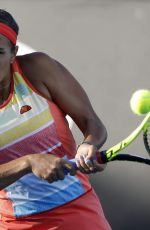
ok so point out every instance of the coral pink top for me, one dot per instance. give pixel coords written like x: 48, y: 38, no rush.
x: 30, y: 123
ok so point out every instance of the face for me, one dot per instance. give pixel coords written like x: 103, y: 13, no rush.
x: 7, y: 56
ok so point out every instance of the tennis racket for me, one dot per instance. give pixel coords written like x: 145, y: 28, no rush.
x: 113, y: 153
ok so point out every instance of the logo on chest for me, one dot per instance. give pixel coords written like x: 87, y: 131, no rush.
x: 25, y: 108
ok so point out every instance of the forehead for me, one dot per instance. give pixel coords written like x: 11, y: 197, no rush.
x: 4, y: 42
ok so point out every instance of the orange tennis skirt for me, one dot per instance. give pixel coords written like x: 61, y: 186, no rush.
x: 84, y: 213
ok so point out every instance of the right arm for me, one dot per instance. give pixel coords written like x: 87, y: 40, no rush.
x: 12, y: 171
x: 45, y: 166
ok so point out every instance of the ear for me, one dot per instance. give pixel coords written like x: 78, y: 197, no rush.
x: 14, y: 53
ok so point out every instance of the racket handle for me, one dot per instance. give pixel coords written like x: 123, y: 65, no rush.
x: 73, y: 163
x: 100, y: 157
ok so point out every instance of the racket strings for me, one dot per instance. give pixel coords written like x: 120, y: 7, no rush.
x: 146, y: 138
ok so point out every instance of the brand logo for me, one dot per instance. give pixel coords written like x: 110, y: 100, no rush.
x: 25, y: 108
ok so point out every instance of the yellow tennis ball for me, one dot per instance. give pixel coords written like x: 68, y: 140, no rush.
x: 140, y: 102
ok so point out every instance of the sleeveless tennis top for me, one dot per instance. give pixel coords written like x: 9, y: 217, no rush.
x: 30, y: 123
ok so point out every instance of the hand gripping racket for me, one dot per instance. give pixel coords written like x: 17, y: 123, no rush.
x: 113, y: 153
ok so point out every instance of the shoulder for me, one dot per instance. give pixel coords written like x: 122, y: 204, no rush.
x: 38, y: 65
x: 45, y: 73
x: 39, y: 68
x: 41, y: 65
x: 36, y: 59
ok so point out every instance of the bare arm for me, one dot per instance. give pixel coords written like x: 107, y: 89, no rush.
x: 12, y: 171
x: 75, y: 102
x: 68, y: 94
x: 61, y: 87
x: 45, y: 166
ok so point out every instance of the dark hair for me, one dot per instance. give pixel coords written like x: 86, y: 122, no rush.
x: 8, y: 19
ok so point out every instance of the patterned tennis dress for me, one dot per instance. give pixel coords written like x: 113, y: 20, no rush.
x: 31, y: 123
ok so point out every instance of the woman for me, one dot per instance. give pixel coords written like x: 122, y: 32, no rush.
x: 36, y: 93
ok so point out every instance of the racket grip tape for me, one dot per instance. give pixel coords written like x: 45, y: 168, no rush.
x: 100, y: 157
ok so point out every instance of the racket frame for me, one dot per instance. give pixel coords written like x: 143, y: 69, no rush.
x: 112, y: 152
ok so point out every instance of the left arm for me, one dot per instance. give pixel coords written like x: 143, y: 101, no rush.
x: 68, y: 94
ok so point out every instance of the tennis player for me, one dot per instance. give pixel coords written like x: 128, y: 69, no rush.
x: 36, y: 93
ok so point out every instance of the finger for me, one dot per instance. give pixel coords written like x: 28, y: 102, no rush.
x: 81, y: 164
x: 89, y: 163
x: 52, y: 177
x: 50, y: 180
x: 99, y: 167
x: 60, y: 174
x: 88, y: 159
x: 70, y: 168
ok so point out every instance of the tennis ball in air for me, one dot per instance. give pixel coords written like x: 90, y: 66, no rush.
x: 140, y: 102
